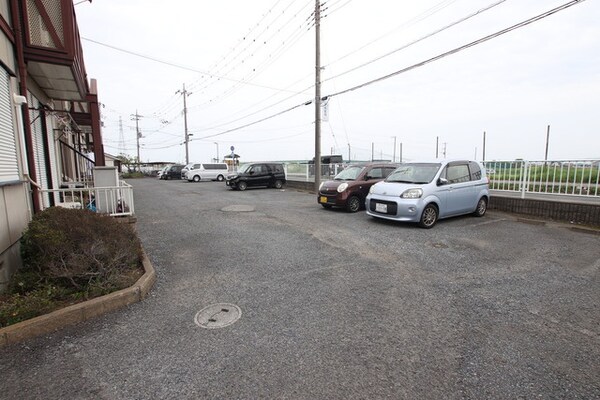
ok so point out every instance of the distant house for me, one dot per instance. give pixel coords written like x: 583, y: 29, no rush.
x: 49, y: 115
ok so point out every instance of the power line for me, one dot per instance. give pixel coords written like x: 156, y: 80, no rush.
x: 461, y: 20
x: 463, y: 47
x: 414, y: 66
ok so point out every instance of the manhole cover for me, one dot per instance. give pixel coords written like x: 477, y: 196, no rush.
x: 238, y: 208
x: 217, y: 316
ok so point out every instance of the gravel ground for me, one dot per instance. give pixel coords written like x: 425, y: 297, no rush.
x: 334, y: 305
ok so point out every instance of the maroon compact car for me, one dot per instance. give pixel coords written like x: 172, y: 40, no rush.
x: 350, y: 187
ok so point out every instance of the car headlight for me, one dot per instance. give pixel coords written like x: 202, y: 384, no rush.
x: 342, y: 187
x: 412, y: 194
x: 321, y: 185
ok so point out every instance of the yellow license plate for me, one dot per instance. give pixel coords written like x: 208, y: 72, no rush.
x: 322, y: 199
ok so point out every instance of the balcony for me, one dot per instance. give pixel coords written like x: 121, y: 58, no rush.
x: 52, y: 49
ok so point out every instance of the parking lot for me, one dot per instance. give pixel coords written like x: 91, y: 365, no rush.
x: 333, y: 305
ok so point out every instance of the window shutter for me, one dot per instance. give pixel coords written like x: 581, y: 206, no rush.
x: 9, y: 167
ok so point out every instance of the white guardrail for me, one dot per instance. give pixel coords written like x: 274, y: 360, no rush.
x: 555, y: 177
x: 115, y: 201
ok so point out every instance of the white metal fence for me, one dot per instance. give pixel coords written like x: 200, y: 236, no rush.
x: 115, y: 201
x: 306, y: 172
x: 556, y: 177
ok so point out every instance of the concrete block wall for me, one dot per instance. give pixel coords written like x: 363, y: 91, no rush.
x: 587, y: 214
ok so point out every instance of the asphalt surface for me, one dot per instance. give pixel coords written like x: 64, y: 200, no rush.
x: 333, y: 305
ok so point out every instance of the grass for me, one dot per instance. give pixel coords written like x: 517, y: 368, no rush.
x: 42, y: 297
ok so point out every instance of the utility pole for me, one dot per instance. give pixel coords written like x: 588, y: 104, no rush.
x: 547, y: 141
x: 349, y: 155
x: 445, y: 143
x: 394, y: 159
x: 317, y: 95
x: 186, y: 136
x: 138, y: 135
x: 400, y: 151
x: 437, y: 146
x: 372, y: 151
x: 217, y: 150
x: 483, y: 146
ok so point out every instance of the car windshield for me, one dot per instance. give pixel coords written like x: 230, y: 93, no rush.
x: 414, y: 173
x: 349, y: 174
x: 244, y: 168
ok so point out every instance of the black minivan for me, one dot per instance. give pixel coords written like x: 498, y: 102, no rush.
x: 257, y: 174
x: 173, y: 172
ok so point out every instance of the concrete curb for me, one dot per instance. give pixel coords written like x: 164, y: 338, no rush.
x: 71, y: 315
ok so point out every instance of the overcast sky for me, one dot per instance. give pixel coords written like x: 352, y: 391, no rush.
x: 249, y: 68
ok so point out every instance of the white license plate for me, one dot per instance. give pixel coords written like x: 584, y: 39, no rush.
x: 382, y: 208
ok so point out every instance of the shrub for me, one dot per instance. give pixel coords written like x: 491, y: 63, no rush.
x: 76, y: 250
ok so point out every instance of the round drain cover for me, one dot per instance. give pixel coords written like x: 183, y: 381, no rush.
x: 217, y: 315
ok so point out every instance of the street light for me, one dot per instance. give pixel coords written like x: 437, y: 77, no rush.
x: 217, y: 150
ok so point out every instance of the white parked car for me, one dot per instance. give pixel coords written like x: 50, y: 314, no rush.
x: 206, y: 171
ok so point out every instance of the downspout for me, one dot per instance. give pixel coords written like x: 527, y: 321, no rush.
x: 19, y: 38
x: 92, y: 99
x: 49, y: 136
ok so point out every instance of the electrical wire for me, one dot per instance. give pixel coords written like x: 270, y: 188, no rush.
x: 463, y: 47
x: 414, y: 66
x: 429, y: 35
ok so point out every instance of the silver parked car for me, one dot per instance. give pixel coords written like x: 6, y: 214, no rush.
x: 424, y: 192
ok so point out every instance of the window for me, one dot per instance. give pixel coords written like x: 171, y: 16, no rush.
x: 457, y: 173
x: 387, y: 171
x: 376, y: 173
x: 475, y: 171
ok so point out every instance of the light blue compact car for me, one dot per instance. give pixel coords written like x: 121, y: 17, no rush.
x: 425, y: 192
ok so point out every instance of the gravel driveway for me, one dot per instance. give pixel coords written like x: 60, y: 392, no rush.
x: 333, y: 305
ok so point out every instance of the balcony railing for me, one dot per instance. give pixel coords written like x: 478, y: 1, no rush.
x: 115, y: 201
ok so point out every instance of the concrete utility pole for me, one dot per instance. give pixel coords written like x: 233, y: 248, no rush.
x: 483, y: 146
x: 349, y: 155
x: 317, y: 95
x: 394, y: 159
x: 547, y: 141
x: 138, y: 135
x: 400, y: 151
x: 186, y: 136
x: 437, y: 146
x: 372, y: 151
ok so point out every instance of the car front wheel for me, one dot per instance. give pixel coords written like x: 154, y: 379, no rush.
x: 353, y: 204
x: 429, y: 217
x: 242, y: 185
x: 196, y: 178
x: 481, y: 207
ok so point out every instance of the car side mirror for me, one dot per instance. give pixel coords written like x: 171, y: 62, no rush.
x: 442, y: 181
x: 367, y: 177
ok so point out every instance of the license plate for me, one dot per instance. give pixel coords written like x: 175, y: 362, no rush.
x: 382, y: 208
x: 322, y: 199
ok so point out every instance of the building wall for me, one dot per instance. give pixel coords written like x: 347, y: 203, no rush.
x: 15, y: 200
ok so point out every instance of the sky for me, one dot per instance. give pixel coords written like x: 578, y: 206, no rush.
x: 394, y: 83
